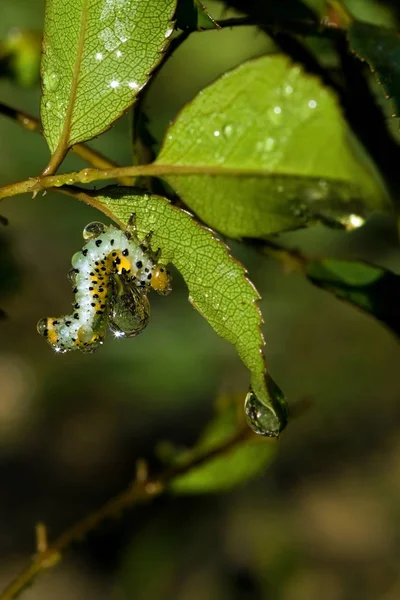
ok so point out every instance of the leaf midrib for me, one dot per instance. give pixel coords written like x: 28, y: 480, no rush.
x: 63, y: 144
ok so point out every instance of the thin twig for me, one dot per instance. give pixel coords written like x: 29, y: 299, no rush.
x: 140, y: 491
x: 94, y: 158
x: 36, y: 184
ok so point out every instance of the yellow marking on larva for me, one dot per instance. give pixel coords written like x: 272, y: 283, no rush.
x: 124, y: 265
x: 160, y: 280
x: 51, y: 332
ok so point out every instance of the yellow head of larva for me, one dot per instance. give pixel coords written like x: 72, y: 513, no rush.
x: 161, y: 280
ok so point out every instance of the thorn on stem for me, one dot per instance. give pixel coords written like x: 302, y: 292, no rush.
x: 142, y: 471
x: 41, y: 538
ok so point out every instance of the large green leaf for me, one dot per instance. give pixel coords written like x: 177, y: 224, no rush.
x: 97, y: 55
x: 240, y: 461
x: 277, y: 150
x: 218, y: 287
x: 380, y: 48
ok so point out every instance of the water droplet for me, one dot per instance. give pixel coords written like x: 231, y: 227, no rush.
x: 356, y: 220
x: 130, y: 309
x: 216, y: 133
x: 352, y: 221
x: 48, y: 104
x: 277, y: 110
x: 260, y: 418
x: 264, y: 420
x: 51, y: 82
x: 227, y: 130
x: 114, y: 84
x: 72, y: 276
x: 312, y: 104
x: 93, y: 230
x: 85, y: 334
x: 42, y: 327
x: 288, y: 90
x: 85, y: 176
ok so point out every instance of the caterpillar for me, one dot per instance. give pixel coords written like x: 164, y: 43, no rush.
x: 111, y: 275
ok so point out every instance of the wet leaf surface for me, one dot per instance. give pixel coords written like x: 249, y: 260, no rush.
x: 217, y: 283
x: 96, y: 58
x: 257, y: 133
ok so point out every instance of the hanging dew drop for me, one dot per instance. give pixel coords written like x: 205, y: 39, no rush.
x: 265, y: 420
x: 260, y: 418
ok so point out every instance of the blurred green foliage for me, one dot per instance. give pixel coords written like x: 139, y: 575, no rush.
x: 322, y: 522
x: 20, y: 53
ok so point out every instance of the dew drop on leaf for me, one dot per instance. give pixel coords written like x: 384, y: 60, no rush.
x: 227, y: 130
x: 51, y: 81
x: 261, y: 418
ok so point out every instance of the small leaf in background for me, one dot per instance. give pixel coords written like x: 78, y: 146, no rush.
x: 380, y: 48
x: 244, y: 459
x: 257, y: 133
x: 20, y: 55
x: 96, y: 57
x: 372, y: 289
x: 192, y: 15
x: 218, y: 286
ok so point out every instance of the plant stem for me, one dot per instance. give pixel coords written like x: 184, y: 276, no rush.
x: 36, y: 184
x: 94, y: 158
x: 143, y: 489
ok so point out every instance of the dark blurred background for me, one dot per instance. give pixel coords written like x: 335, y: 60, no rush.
x: 322, y: 522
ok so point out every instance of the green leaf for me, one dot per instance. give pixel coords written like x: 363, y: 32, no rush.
x: 277, y: 152
x: 380, y: 48
x: 96, y: 57
x: 240, y: 462
x: 372, y: 289
x: 218, y: 287
x: 20, y: 57
x: 192, y: 15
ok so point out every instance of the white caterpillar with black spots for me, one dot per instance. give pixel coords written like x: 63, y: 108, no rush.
x: 112, y: 260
